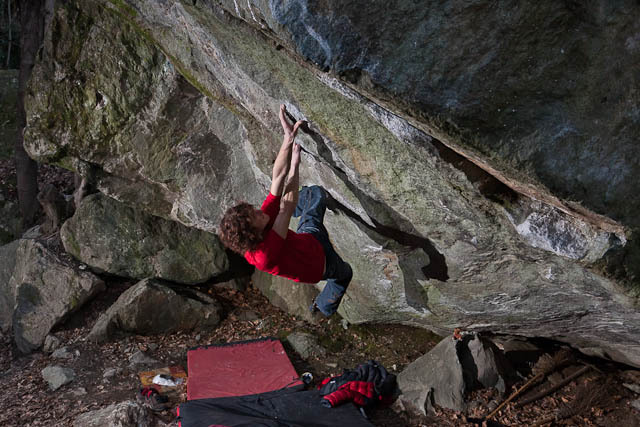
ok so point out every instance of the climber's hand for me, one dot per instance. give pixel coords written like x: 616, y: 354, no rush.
x: 289, y: 131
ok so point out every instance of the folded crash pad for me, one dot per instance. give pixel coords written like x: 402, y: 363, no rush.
x: 238, y: 369
x: 281, y: 408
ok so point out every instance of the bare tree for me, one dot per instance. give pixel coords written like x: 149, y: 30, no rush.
x: 10, y: 35
x: 31, y: 36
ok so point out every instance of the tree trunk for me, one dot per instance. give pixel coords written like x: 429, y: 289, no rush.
x: 10, y: 36
x: 31, y: 36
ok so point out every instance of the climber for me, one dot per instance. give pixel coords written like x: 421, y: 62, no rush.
x: 263, y: 235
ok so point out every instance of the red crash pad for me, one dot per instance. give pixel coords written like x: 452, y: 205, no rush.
x: 238, y: 369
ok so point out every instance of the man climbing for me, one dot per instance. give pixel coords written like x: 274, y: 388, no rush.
x: 263, y: 235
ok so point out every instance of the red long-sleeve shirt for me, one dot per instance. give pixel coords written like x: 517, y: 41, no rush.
x: 299, y: 257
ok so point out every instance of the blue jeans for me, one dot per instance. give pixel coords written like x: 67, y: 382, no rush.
x: 311, y: 208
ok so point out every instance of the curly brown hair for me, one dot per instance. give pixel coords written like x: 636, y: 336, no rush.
x: 236, y: 231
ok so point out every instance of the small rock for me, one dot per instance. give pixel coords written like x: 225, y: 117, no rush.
x: 306, y: 345
x: 248, y: 316
x: 636, y: 404
x: 492, y: 405
x: 331, y: 365
x: 474, y: 404
x: 62, y: 353
x: 57, y: 376
x: 153, y: 346
x: 633, y: 387
x: 345, y: 324
x: 81, y: 391
x: 111, y: 372
x: 51, y: 343
x: 198, y: 337
x: 140, y: 358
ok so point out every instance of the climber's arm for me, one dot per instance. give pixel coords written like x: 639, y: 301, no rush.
x: 290, y: 197
x: 281, y: 165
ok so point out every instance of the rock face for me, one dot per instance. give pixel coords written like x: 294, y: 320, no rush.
x: 112, y: 237
x: 523, y: 89
x: 47, y: 290
x: 152, y: 307
x: 455, y: 139
x: 294, y: 298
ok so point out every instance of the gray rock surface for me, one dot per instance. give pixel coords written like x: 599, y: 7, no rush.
x: 451, y: 369
x: 109, y: 236
x: 123, y: 414
x: 436, y: 147
x: 435, y: 378
x: 57, y: 376
x: 153, y: 307
x: 306, y: 345
x: 48, y: 289
x: 292, y: 297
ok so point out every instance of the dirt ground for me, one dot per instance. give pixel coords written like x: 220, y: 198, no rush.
x: 27, y: 400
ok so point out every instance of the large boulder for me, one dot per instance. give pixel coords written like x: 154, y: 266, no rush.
x: 47, y: 289
x: 7, y: 288
x: 124, y: 117
x: 110, y: 236
x: 455, y: 175
x: 154, y: 307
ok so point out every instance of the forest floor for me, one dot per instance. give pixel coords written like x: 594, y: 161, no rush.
x: 28, y: 401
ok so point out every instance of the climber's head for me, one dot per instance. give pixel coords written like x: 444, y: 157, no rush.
x: 242, y: 227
